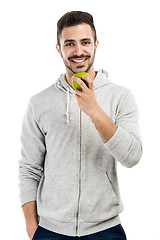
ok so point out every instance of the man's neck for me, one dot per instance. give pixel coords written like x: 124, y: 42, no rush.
x: 69, y: 74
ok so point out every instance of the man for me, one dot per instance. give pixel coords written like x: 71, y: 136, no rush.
x: 72, y: 141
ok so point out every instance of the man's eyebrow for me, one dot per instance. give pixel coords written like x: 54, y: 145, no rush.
x: 72, y: 40
x: 85, y: 39
x: 69, y: 40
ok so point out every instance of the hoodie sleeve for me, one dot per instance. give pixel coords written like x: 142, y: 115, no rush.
x: 126, y: 145
x: 32, y: 156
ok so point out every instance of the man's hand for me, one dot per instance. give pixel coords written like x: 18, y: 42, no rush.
x: 30, y: 213
x: 31, y: 229
x: 86, y: 98
x: 88, y: 104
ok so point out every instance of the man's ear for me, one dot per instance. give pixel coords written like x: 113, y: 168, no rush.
x: 58, y: 49
x: 96, y: 44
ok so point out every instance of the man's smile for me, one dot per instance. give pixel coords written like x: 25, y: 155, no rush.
x: 79, y: 60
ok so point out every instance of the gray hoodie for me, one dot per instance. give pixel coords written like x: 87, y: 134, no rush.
x: 65, y: 165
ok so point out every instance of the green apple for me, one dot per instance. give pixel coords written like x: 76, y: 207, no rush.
x: 79, y: 75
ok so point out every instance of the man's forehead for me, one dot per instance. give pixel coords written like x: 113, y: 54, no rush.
x: 77, y: 33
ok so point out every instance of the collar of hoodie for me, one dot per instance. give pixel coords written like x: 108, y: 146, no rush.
x: 100, y: 80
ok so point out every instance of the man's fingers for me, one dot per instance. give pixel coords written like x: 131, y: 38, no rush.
x: 80, y: 82
x: 90, y: 82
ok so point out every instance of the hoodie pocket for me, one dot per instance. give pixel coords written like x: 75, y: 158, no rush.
x: 101, y: 202
x: 55, y: 198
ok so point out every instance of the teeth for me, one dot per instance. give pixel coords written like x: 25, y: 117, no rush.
x: 78, y: 61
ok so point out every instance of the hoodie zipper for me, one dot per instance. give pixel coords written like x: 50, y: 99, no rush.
x: 79, y: 179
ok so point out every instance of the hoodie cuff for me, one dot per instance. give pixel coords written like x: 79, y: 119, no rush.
x: 115, y: 139
x: 120, y: 144
x: 28, y: 197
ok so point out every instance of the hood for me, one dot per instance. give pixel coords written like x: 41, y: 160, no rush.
x: 100, y: 80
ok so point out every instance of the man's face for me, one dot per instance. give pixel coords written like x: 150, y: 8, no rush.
x: 77, y: 48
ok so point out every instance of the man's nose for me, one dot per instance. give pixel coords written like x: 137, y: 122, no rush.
x: 78, y: 50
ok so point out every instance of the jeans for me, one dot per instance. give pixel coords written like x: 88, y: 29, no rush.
x: 114, y: 233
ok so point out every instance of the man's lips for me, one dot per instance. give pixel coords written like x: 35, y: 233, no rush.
x: 79, y: 59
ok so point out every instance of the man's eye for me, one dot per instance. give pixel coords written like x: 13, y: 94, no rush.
x: 69, y: 44
x: 85, y: 43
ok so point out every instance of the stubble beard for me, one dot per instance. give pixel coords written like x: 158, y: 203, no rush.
x: 70, y: 68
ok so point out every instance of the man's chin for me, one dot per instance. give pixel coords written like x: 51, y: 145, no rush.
x: 75, y: 69
x: 80, y: 69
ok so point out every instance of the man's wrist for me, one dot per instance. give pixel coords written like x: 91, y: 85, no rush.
x: 95, y: 112
x: 103, y: 123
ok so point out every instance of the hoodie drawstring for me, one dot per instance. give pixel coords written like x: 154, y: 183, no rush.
x: 67, y: 111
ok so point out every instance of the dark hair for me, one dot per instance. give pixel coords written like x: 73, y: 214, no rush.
x: 75, y: 18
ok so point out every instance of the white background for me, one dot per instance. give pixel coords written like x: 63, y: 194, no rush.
x: 129, y: 50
